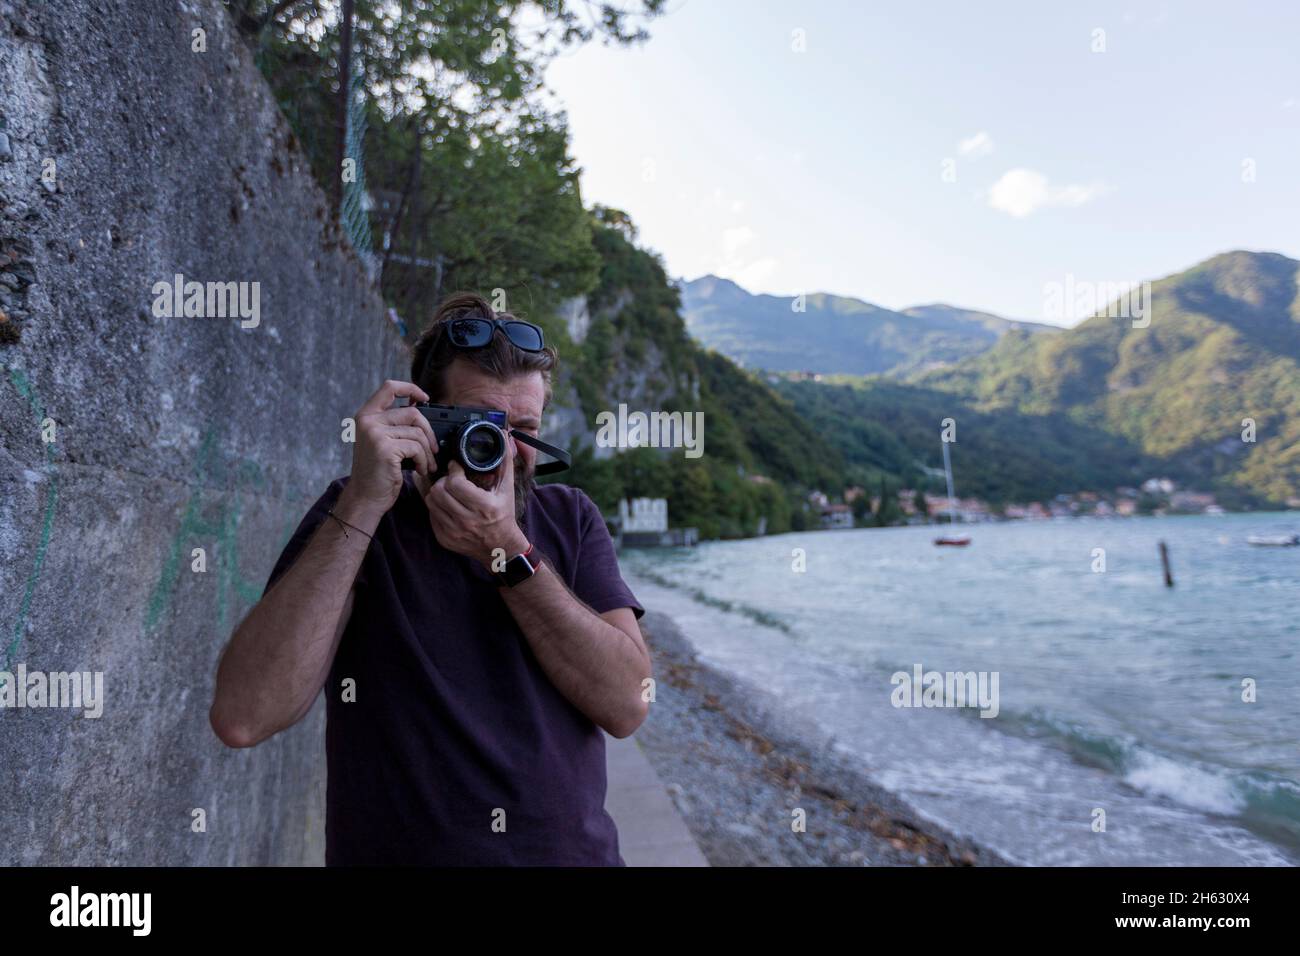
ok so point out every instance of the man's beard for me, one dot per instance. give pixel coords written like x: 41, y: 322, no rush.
x: 525, y: 482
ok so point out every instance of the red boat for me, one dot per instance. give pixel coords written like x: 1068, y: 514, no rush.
x: 958, y: 541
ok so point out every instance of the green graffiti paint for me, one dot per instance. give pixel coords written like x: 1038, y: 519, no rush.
x: 160, y: 599
x: 27, y: 391
x: 220, y: 528
x: 194, y: 527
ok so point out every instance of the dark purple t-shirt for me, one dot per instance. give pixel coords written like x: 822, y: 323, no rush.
x: 454, y: 719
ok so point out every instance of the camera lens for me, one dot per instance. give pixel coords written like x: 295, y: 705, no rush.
x: 482, y: 446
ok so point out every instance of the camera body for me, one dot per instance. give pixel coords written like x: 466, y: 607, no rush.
x: 475, y: 437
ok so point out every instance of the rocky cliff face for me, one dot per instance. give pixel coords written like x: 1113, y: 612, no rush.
x: 632, y: 369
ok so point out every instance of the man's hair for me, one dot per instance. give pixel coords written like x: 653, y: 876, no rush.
x: 501, y: 358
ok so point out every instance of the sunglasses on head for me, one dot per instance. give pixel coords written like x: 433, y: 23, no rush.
x: 475, y: 333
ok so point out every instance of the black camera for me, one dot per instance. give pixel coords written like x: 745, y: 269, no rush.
x: 475, y: 437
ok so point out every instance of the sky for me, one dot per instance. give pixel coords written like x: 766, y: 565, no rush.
x: 972, y: 154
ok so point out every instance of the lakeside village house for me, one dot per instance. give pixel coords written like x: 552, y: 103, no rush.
x: 643, y: 523
x: 1123, y: 502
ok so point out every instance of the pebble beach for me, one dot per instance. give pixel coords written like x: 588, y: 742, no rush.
x: 740, y: 772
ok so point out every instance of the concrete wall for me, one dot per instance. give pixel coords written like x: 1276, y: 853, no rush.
x: 170, y: 433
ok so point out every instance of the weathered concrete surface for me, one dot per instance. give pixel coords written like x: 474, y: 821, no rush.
x: 650, y: 830
x: 170, y: 434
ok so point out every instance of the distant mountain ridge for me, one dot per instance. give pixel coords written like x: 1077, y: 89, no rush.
x: 836, y: 334
x: 1211, y: 387
x: 1207, y: 393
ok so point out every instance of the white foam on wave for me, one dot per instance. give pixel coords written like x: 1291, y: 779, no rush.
x: 1188, y: 785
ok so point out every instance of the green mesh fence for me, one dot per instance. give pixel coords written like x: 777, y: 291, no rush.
x: 354, y: 207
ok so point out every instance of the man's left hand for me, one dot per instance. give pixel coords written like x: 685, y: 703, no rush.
x: 473, y: 520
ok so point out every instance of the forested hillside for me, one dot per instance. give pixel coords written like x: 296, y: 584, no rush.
x: 1222, y: 347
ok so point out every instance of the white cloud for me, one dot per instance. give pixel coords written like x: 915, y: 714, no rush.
x: 1022, y: 191
x: 973, y: 147
x: 723, y: 200
x: 736, y: 264
x: 734, y: 239
x: 756, y: 275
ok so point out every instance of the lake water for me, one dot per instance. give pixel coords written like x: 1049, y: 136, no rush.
x: 1115, y: 693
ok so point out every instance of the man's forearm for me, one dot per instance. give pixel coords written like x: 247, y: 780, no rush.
x: 594, y: 664
x: 280, y: 655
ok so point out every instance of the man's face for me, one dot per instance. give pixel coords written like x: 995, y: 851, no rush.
x: 521, y: 398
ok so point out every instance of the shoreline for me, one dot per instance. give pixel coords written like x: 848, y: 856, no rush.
x: 737, y: 768
x: 985, y: 522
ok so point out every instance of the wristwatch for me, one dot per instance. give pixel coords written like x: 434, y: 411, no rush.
x: 519, y: 568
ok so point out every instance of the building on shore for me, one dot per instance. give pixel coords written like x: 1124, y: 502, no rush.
x: 836, y: 516
x: 1193, y: 502
x: 643, y: 523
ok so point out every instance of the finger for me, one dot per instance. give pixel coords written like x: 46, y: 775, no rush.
x: 411, y: 433
x: 405, y: 431
x: 506, y: 474
x: 388, y: 393
x: 438, y: 517
x: 409, y: 415
x: 409, y: 448
x: 465, y: 491
x: 422, y: 484
x: 444, y: 501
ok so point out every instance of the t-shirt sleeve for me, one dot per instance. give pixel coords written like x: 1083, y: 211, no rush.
x: 314, y: 518
x: 598, y: 581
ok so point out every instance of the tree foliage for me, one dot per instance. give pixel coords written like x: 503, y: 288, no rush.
x: 475, y: 183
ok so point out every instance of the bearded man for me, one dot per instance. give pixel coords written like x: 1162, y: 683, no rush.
x: 471, y: 631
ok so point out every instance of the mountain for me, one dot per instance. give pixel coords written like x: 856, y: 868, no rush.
x: 1222, y: 346
x: 836, y: 334
x: 994, y: 323
x: 625, y: 342
x: 885, y: 429
x: 1095, y: 407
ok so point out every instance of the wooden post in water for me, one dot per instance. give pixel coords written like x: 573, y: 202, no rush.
x: 1164, y: 560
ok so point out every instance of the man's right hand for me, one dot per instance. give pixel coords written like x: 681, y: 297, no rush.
x: 385, y: 437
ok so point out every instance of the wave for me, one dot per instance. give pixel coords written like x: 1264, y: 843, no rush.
x: 1267, y: 806
x: 1266, y: 803
x: 757, y: 615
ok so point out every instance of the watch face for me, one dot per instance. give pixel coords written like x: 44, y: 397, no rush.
x: 518, y: 568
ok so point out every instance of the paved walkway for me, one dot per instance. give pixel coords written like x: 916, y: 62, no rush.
x: 650, y: 830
